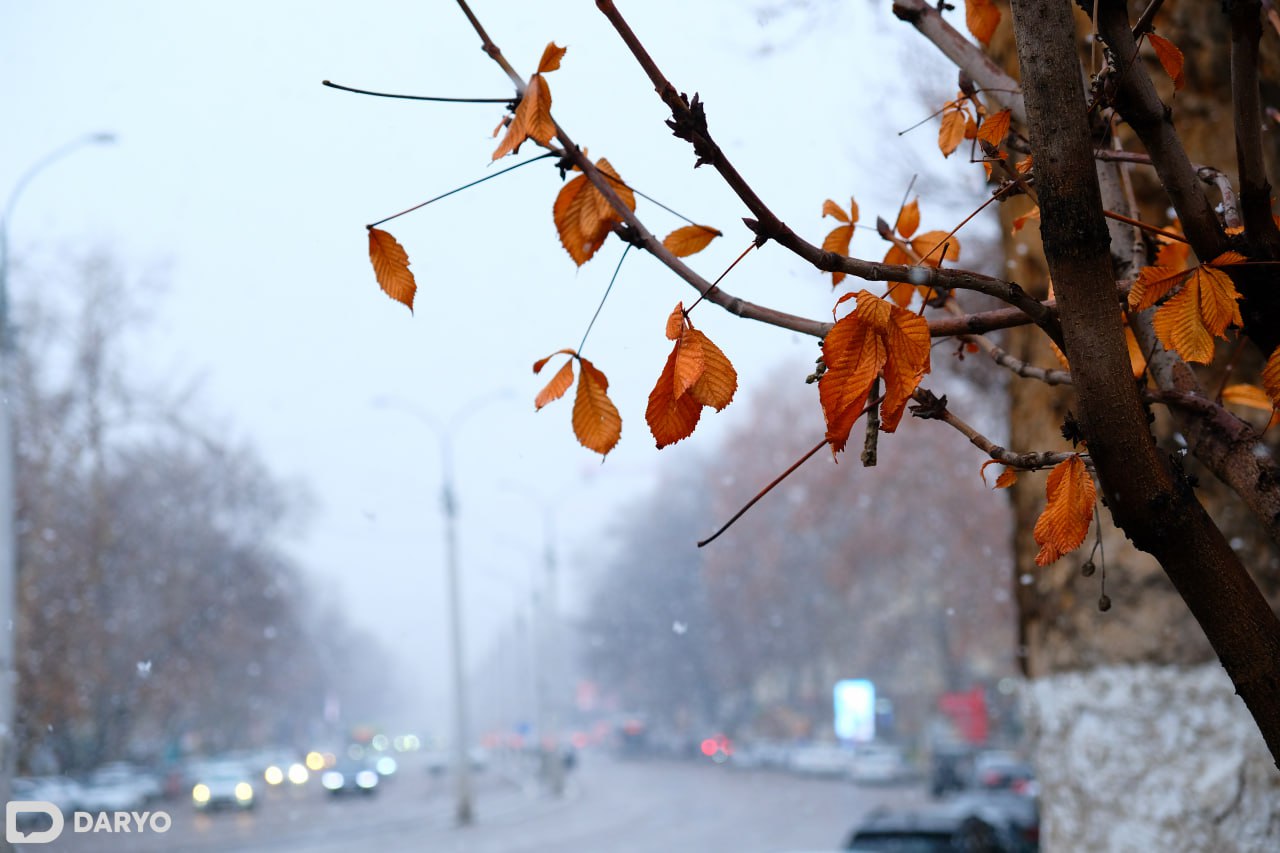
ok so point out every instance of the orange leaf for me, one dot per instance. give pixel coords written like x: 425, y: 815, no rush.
x: 981, y: 17
x: 719, y: 380
x: 838, y: 241
x: 688, y: 363
x: 924, y: 246
x: 542, y: 362
x: 1152, y: 285
x: 1202, y: 310
x: 532, y: 119
x: 951, y: 131
x: 551, y: 56
x: 1006, y: 479
x: 1271, y: 377
x: 1019, y: 222
x: 995, y: 128
x: 1024, y: 165
x: 830, y: 208
x: 584, y: 217
x: 675, y: 322
x: 391, y: 267
x: 1170, y: 58
x: 596, y: 421
x: 1060, y: 355
x: 909, y: 219
x: 689, y: 240
x: 875, y: 336
x: 555, y: 389
x: 1248, y: 395
x: 671, y: 416
x: 1067, y: 514
x: 1137, y: 358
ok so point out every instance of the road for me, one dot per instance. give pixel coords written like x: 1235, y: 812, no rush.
x: 619, y: 806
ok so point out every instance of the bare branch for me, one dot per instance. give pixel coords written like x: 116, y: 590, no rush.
x: 1011, y: 459
x: 966, y: 55
x: 1255, y: 191
x: 1137, y: 101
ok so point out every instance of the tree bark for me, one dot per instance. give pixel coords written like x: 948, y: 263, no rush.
x: 1150, y: 499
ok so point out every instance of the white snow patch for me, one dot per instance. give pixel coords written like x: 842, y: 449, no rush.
x: 1142, y: 758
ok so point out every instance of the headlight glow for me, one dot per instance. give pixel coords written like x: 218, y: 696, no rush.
x: 273, y: 775
x: 332, y: 780
x: 315, y: 761
x: 298, y: 774
x: 200, y: 793
x: 366, y: 778
x: 244, y: 791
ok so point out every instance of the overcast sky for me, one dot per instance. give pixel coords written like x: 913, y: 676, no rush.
x: 248, y: 185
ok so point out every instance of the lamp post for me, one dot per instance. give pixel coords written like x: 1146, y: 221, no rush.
x: 549, y: 685
x: 464, y: 812
x: 8, y: 463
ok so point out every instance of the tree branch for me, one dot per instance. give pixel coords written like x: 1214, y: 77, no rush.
x: 1136, y: 100
x: 966, y: 55
x: 1149, y: 499
x: 1255, y: 192
x: 689, y: 123
x: 929, y: 403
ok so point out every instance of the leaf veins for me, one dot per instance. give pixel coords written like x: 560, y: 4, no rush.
x: 690, y: 239
x: 583, y: 216
x: 391, y: 267
x: 1067, y: 514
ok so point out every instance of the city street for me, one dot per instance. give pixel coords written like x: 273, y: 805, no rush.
x: 622, y: 806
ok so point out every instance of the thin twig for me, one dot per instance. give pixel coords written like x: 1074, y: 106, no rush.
x: 460, y: 189
x: 719, y: 279
x: 506, y: 100
x: 784, y: 475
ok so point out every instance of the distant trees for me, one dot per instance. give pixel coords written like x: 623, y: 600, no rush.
x: 156, y: 607
x: 753, y: 631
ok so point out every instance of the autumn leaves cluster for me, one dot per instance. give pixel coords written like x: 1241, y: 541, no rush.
x: 876, y: 354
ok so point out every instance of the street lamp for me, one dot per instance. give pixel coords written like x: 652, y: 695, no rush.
x: 464, y: 814
x: 8, y: 463
x: 549, y: 684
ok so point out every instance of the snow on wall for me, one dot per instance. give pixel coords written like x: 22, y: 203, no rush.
x: 1143, y: 758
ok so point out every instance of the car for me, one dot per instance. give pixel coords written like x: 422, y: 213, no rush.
x: 1000, y: 771
x: 819, y: 759
x: 974, y: 826
x: 349, y: 776
x: 879, y: 764
x: 63, y: 791
x: 220, y: 785
x: 118, y: 786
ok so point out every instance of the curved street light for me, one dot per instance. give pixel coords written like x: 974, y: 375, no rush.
x: 8, y: 463
x: 464, y: 812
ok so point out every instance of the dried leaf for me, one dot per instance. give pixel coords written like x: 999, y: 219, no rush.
x: 1007, y: 478
x: 719, y: 380
x: 391, y: 267
x: 1248, y: 395
x: 909, y: 219
x: 995, y: 128
x: 1025, y: 165
x: 689, y: 240
x: 1060, y: 355
x: 1067, y: 514
x: 675, y: 322
x: 1020, y: 221
x: 876, y: 336
x: 551, y: 56
x: 838, y: 241
x: 1170, y: 58
x: 671, y: 416
x: 583, y: 216
x: 596, y: 421
x: 688, y: 363
x: 555, y: 389
x: 1137, y: 358
x: 951, y: 131
x: 532, y: 119
x: 1201, y: 310
x: 1152, y: 285
x: 1271, y: 376
x: 926, y: 243
x: 830, y: 208
x: 981, y: 17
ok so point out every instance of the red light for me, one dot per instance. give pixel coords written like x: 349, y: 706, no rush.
x: 709, y: 747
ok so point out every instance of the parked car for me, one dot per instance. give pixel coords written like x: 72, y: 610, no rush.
x: 1002, y: 771
x: 119, y: 786
x: 879, y: 764
x: 63, y: 791
x: 973, y: 825
x: 820, y: 759
x: 223, y: 785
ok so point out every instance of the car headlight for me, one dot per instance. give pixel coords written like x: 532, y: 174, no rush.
x: 332, y: 780
x: 315, y: 761
x: 366, y: 779
x: 386, y: 765
x: 200, y: 793
x: 244, y: 792
x: 298, y: 774
x: 273, y: 775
